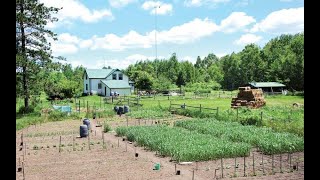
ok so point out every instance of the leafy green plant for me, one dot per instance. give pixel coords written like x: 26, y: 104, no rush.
x: 106, y: 127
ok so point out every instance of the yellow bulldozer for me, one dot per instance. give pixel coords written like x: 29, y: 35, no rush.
x: 252, y: 98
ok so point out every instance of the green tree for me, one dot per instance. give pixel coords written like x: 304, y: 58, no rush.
x: 32, y: 48
x: 143, y: 80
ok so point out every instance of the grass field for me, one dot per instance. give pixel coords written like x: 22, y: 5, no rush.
x: 278, y: 112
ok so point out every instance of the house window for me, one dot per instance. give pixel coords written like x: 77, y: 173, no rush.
x: 99, y: 85
x: 114, y: 76
x: 86, y: 87
x: 120, y: 76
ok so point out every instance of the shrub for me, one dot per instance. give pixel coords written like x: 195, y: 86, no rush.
x: 106, y: 127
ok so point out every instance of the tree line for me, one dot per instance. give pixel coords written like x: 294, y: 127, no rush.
x: 280, y: 60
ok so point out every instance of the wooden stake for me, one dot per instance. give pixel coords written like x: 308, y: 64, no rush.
x: 281, y: 163
x: 254, y: 172
x: 272, y: 164
x: 262, y: 165
x: 23, y: 173
x: 89, y: 141
x: 244, y: 166
x: 60, y: 144
x: 235, y: 165
x: 221, y: 168
x: 73, y: 138
x: 192, y: 171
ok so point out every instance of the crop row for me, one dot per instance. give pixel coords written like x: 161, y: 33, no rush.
x: 268, y: 141
x: 182, y: 144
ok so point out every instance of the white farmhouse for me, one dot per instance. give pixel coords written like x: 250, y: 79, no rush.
x: 105, y: 81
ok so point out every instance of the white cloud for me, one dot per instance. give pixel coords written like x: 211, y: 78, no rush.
x: 86, y: 43
x: 73, y: 9
x: 247, y: 39
x: 162, y: 8
x: 184, y: 33
x: 120, y: 3
x: 62, y: 48
x: 138, y: 57
x: 282, y: 21
x: 67, y: 38
x: 197, y: 3
x: 235, y: 21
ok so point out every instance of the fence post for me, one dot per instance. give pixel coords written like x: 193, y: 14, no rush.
x: 237, y: 114
x: 235, y: 166
x: 87, y: 108
x: 170, y: 106
x: 200, y: 107
x: 281, y: 163
x: 254, y: 172
x: 262, y: 166
x: 60, y: 144
x: 221, y: 167
x: 100, y: 102
x: 244, y: 166
x: 217, y: 111
x: 261, y: 116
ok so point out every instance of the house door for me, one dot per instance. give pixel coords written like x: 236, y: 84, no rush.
x: 105, y: 91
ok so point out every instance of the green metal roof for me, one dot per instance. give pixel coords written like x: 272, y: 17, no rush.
x: 99, y: 73
x: 266, y: 84
x: 116, y: 84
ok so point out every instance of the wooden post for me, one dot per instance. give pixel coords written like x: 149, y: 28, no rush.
x: 168, y: 97
x: 100, y: 102
x: 244, y: 166
x: 235, y: 166
x: 217, y: 111
x: 83, y: 102
x: 170, y: 106
x: 60, y: 144
x: 87, y: 108
x: 237, y: 114
x: 221, y: 168
x: 272, y: 164
x: 23, y: 174
x: 262, y: 165
x: 89, y: 141
x: 290, y: 162
x: 127, y: 121
x: 175, y: 168
x: 193, y: 175
x: 261, y: 116
x: 200, y: 107
x: 196, y: 165
x: 254, y: 172
x: 73, y: 148
x: 281, y: 163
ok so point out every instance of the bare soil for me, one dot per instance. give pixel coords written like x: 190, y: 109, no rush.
x: 39, y: 157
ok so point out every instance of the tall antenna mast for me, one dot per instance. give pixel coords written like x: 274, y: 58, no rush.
x: 155, y: 34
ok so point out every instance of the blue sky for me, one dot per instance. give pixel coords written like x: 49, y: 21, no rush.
x: 116, y: 33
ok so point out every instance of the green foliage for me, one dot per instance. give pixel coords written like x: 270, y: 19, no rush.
x: 57, y: 115
x: 106, y: 127
x: 182, y: 144
x: 268, y: 141
x: 26, y: 110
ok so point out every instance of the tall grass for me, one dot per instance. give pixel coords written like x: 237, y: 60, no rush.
x: 268, y: 141
x: 182, y: 144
